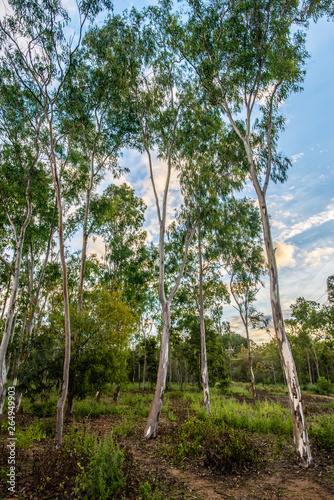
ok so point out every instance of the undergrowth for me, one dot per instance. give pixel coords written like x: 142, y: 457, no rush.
x: 217, y: 446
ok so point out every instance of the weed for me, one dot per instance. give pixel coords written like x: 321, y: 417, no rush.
x: 323, y: 432
x: 103, y: 478
x: 221, y: 448
x: 79, y: 441
x: 324, y: 386
x: 42, y: 409
x: 25, y: 438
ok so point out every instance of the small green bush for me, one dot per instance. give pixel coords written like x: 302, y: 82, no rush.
x: 25, y: 438
x: 43, y: 409
x: 103, y: 478
x: 324, y: 386
x: 223, y: 449
x: 81, y: 440
x: 323, y: 432
x: 224, y: 385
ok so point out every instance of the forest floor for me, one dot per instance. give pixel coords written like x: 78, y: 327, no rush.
x: 42, y: 473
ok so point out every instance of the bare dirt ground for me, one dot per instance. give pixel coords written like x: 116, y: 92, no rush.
x: 43, y: 473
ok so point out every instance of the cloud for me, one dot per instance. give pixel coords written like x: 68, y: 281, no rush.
x: 284, y: 255
x: 266, y: 94
x: 279, y: 224
x: 288, y: 197
x: 313, y: 221
x: 96, y: 246
x: 318, y: 256
x: 296, y: 157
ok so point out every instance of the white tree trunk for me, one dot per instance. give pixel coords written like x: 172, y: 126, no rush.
x: 204, y: 363
x: 301, y: 442
x: 11, y: 308
x: 151, y: 428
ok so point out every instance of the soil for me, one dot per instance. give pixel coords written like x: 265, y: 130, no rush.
x: 43, y: 473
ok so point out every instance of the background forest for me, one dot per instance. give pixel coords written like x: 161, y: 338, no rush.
x: 199, y: 90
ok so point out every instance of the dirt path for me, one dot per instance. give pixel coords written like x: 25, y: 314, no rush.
x: 287, y: 482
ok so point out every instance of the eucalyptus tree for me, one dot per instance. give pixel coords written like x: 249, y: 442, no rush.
x: 249, y: 57
x: 157, y: 101
x: 212, y: 170
x: 99, y: 95
x: 245, y: 283
x: 40, y: 56
x: 22, y: 176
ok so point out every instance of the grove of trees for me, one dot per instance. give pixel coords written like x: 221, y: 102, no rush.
x: 199, y: 89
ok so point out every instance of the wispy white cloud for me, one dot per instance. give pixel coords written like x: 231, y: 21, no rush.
x: 297, y: 157
x: 313, y: 221
x: 318, y: 256
x: 279, y: 224
x: 288, y: 197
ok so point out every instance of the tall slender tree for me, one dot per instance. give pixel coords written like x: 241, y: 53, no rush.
x: 249, y: 57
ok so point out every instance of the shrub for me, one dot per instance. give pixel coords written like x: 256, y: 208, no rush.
x: 324, y: 386
x: 229, y: 451
x: 223, y: 449
x: 24, y: 439
x: 43, y: 409
x: 224, y: 385
x: 103, y: 478
x: 323, y: 432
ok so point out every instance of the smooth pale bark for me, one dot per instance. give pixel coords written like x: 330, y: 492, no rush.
x: 66, y: 368
x: 204, y: 363
x: 6, y: 296
x: 85, y: 237
x: 300, y: 435
x: 244, y: 318
x: 12, y: 303
x: 151, y: 429
x: 301, y: 442
x: 35, y: 298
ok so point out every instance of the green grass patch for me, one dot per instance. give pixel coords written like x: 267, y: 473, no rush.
x: 323, y: 432
x: 36, y: 432
x: 263, y: 417
x: 103, y: 477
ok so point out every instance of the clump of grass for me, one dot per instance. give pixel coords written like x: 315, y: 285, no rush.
x: 323, y: 432
x: 89, y: 408
x: 80, y: 440
x: 103, y: 478
x: 25, y: 438
x: 264, y: 417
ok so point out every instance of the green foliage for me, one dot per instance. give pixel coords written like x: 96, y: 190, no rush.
x: 224, y: 385
x: 324, y: 386
x: 323, y: 432
x: 223, y: 449
x: 264, y: 417
x: 145, y: 492
x: 42, y: 409
x: 80, y: 439
x: 36, y: 432
x: 90, y: 408
x: 103, y: 478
